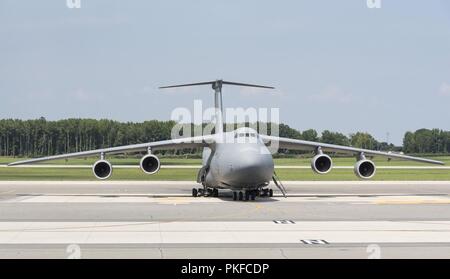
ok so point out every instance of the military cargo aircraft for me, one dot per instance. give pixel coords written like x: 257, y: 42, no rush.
x: 238, y: 160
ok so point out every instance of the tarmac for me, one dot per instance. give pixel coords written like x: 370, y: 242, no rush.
x: 160, y: 219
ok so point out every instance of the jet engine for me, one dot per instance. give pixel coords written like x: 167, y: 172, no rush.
x: 150, y: 164
x: 321, y: 163
x: 365, y: 169
x: 102, y: 169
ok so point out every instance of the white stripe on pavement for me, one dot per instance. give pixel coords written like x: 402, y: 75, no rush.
x: 178, y: 199
x: 224, y: 232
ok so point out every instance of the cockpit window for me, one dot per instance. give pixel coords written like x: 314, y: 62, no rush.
x: 245, y: 135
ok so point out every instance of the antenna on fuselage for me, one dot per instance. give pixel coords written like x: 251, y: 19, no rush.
x: 217, y: 87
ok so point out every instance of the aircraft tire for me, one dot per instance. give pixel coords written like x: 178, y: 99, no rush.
x: 194, y: 192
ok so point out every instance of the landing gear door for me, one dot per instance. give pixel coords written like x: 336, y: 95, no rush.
x: 201, y: 176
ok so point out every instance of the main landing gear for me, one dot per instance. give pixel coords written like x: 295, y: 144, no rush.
x: 252, y: 194
x: 241, y: 195
x: 237, y: 195
x: 266, y: 193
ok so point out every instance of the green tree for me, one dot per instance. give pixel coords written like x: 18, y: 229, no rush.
x: 334, y: 138
x: 363, y: 140
x: 310, y: 135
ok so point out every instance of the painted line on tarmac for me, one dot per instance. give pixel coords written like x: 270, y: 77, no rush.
x: 224, y: 232
x: 7, y: 192
x: 170, y: 199
x: 411, y: 200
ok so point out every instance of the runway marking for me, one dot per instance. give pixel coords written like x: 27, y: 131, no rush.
x: 412, y: 200
x: 106, y: 199
x: 7, y: 192
x: 168, y: 199
x: 283, y: 222
x: 314, y: 241
x: 173, y: 200
x: 316, y: 232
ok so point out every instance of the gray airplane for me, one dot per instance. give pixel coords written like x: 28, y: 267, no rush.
x: 239, y: 160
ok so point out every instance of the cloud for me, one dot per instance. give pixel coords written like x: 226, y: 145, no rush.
x: 332, y: 94
x: 444, y: 90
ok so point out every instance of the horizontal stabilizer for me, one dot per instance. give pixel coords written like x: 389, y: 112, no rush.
x: 218, y: 83
x: 184, y: 85
x: 247, y: 85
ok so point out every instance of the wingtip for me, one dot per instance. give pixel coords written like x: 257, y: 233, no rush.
x: 13, y: 164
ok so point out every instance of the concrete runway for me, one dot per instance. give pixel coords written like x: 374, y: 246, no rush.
x: 112, y: 219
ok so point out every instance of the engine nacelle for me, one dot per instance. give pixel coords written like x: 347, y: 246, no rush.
x: 365, y: 169
x: 321, y: 163
x: 150, y: 164
x: 102, y: 169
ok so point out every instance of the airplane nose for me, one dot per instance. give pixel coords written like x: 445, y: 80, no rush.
x: 253, y: 168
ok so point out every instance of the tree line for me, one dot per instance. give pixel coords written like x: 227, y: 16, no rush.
x: 427, y: 141
x: 39, y: 137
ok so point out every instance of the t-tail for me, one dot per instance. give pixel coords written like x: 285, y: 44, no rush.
x: 217, y: 87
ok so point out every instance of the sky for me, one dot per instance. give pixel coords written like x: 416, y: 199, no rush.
x: 336, y: 65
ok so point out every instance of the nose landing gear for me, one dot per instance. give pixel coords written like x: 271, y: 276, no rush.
x: 206, y: 192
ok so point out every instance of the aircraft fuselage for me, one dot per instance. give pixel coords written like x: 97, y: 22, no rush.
x: 237, y: 161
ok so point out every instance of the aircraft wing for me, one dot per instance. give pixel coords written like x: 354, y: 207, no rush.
x: 294, y: 144
x: 181, y: 143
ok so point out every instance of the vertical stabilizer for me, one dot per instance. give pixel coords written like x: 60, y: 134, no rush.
x: 217, y: 87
